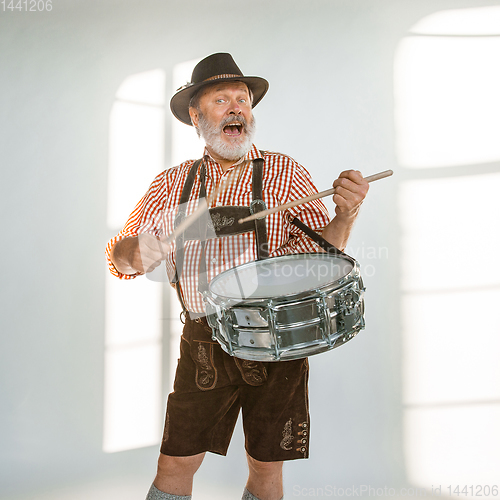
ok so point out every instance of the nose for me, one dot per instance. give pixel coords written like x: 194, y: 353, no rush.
x: 234, y: 108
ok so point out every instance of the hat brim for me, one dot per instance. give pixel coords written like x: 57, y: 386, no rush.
x: 179, y: 104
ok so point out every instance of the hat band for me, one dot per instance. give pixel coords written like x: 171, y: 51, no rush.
x: 218, y: 77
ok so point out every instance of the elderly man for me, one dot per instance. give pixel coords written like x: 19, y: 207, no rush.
x: 210, y: 386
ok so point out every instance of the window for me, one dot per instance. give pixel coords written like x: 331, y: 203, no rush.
x: 134, y: 323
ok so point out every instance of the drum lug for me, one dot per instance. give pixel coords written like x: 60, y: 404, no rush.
x: 347, y: 301
x: 361, y: 284
x: 226, y: 323
x: 272, y: 331
x: 325, y: 324
x: 350, y: 304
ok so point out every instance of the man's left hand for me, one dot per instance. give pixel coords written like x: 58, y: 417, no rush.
x: 350, y: 191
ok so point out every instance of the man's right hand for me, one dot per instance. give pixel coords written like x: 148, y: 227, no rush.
x: 139, y: 254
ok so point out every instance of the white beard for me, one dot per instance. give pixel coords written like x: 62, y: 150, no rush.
x: 238, y: 147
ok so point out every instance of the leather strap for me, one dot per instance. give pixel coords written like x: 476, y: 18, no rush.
x: 179, y: 241
x: 202, y: 269
x: 325, y: 245
x: 258, y: 205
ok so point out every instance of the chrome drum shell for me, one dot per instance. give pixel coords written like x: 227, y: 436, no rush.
x: 286, y: 307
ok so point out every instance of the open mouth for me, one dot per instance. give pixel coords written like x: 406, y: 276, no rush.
x: 233, y: 129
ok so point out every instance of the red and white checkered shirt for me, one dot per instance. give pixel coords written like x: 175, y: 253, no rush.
x: 284, y: 180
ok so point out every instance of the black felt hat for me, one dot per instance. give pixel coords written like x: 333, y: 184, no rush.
x: 217, y: 67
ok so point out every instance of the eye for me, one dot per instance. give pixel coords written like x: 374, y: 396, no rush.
x: 220, y: 100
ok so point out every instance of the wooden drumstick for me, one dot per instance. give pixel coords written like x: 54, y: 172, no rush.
x: 322, y: 194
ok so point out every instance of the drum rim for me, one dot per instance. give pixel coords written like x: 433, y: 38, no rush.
x: 345, y: 279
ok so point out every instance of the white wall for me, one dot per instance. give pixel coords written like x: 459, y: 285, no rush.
x: 330, y: 105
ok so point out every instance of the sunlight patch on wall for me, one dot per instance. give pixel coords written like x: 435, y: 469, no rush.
x: 133, y: 334
x: 450, y: 332
x: 446, y: 112
x: 447, y: 99
x: 452, y: 341
x: 448, y: 447
x: 451, y: 280
x: 136, y: 142
x: 481, y: 21
x: 450, y: 232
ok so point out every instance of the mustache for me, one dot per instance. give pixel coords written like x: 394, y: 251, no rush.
x: 232, y: 119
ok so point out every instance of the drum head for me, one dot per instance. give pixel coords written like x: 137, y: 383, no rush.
x: 280, y: 276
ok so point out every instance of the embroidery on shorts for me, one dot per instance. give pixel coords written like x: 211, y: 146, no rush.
x: 219, y: 221
x: 205, y: 377
x: 253, y: 372
x: 287, y: 436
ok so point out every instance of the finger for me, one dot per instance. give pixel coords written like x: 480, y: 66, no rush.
x: 347, y: 203
x: 349, y: 194
x: 343, y: 183
x: 348, y: 176
x: 354, y: 175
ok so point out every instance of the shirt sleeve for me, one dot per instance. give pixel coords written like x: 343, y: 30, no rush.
x: 147, y: 217
x: 314, y: 214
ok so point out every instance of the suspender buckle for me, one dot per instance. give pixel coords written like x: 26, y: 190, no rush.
x: 254, y: 208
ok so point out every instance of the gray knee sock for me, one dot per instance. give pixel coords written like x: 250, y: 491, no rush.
x: 248, y: 496
x: 155, y: 494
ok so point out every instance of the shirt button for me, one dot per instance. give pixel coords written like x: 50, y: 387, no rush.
x: 214, y: 261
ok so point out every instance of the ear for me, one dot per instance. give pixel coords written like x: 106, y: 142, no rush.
x: 193, y: 113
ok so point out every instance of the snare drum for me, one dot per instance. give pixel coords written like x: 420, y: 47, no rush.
x: 286, y: 307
